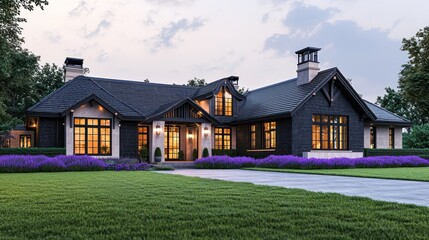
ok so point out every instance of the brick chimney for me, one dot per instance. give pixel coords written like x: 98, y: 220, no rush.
x: 308, y: 65
x: 73, y: 67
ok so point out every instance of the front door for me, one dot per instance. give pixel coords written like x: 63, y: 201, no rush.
x: 171, y: 142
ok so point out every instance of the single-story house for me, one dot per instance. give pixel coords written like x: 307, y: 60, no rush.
x: 316, y: 114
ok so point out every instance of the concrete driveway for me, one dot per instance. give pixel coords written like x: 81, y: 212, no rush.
x: 400, y: 191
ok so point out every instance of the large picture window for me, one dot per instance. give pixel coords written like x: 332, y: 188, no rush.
x: 372, y: 137
x: 223, y: 103
x: 143, y: 136
x: 222, y: 138
x: 92, y: 136
x: 269, y: 135
x: 253, y: 136
x: 25, y: 141
x: 330, y: 132
x: 391, y: 138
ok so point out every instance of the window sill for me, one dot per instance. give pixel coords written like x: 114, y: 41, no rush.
x: 262, y: 150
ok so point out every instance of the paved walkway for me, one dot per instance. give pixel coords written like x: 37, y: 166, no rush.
x: 412, y: 192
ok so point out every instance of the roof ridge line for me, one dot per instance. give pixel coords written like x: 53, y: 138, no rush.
x: 140, y: 82
x: 382, y: 108
x: 98, y: 85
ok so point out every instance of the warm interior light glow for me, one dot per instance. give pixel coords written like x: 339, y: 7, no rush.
x: 100, y: 108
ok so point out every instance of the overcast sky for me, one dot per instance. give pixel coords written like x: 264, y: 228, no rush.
x: 172, y: 41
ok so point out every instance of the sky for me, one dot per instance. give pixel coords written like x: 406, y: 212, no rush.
x: 172, y: 41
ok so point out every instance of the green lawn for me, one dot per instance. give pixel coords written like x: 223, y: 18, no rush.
x: 135, y: 205
x: 403, y: 173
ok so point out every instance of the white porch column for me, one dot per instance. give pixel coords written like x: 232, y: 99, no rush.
x: 157, y: 140
x: 204, y: 138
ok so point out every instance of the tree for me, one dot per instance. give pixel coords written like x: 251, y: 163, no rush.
x: 414, y: 76
x: 395, y: 102
x: 418, y: 137
x: 196, y: 82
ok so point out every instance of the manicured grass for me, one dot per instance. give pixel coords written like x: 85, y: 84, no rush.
x: 136, y: 205
x: 402, y: 173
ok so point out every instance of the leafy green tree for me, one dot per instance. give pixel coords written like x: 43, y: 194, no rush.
x: 196, y: 82
x: 395, y: 102
x: 418, y: 137
x: 414, y: 76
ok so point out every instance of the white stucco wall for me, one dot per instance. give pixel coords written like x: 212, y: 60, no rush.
x: 205, y: 141
x: 398, y: 138
x: 366, y: 137
x: 332, y: 154
x: 94, y: 111
x: 157, y: 140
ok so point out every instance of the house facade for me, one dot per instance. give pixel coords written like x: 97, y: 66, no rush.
x: 316, y: 114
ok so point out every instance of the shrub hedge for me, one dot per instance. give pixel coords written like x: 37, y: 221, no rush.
x: 51, y: 152
x: 221, y: 152
x: 396, y: 152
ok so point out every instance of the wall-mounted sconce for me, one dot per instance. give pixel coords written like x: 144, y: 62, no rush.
x: 206, y: 131
x: 158, y: 130
x: 190, y: 135
x: 72, y: 110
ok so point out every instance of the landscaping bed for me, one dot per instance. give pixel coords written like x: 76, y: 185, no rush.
x: 293, y: 162
x: 61, y: 163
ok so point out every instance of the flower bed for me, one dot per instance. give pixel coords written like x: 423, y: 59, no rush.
x: 40, y: 163
x: 293, y: 162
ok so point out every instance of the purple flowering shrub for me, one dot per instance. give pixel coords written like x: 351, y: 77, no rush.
x: 40, y: 163
x: 293, y: 162
x: 129, y: 167
x: 223, y: 162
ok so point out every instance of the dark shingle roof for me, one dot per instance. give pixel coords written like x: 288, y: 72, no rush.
x: 280, y: 98
x: 385, y: 116
x: 74, y: 92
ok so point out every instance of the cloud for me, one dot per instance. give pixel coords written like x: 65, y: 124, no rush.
x: 102, y: 56
x: 168, y: 34
x: 54, y: 37
x: 104, y: 24
x: 368, y: 56
x: 81, y: 8
x: 171, y: 2
x: 304, y: 17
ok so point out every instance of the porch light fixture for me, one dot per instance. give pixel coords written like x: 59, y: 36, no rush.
x: 206, y: 131
x: 158, y: 129
x: 190, y: 135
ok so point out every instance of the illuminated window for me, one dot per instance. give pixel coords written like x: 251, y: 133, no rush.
x: 171, y: 142
x: 269, y: 135
x: 24, y: 141
x: 223, y: 103
x: 372, y: 137
x: 143, y: 136
x: 329, y: 132
x: 222, y: 138
x: 391, y: 138
x: 253, y: 136
x: 92, y: 136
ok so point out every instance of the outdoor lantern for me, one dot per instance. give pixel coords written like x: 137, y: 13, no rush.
x: 190, y: 135
x: 206, y: 131
x: 158, y: 130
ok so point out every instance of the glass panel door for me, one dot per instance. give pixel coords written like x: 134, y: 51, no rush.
x: 171, y: 143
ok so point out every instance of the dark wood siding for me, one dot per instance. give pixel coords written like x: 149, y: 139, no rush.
x: 128, y: 139
x: 50, y: 132
x: 319, y: 104
x: 283, y: 139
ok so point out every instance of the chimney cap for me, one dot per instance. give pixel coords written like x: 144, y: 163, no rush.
x: 308, y: 49
x: 73, y: 61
